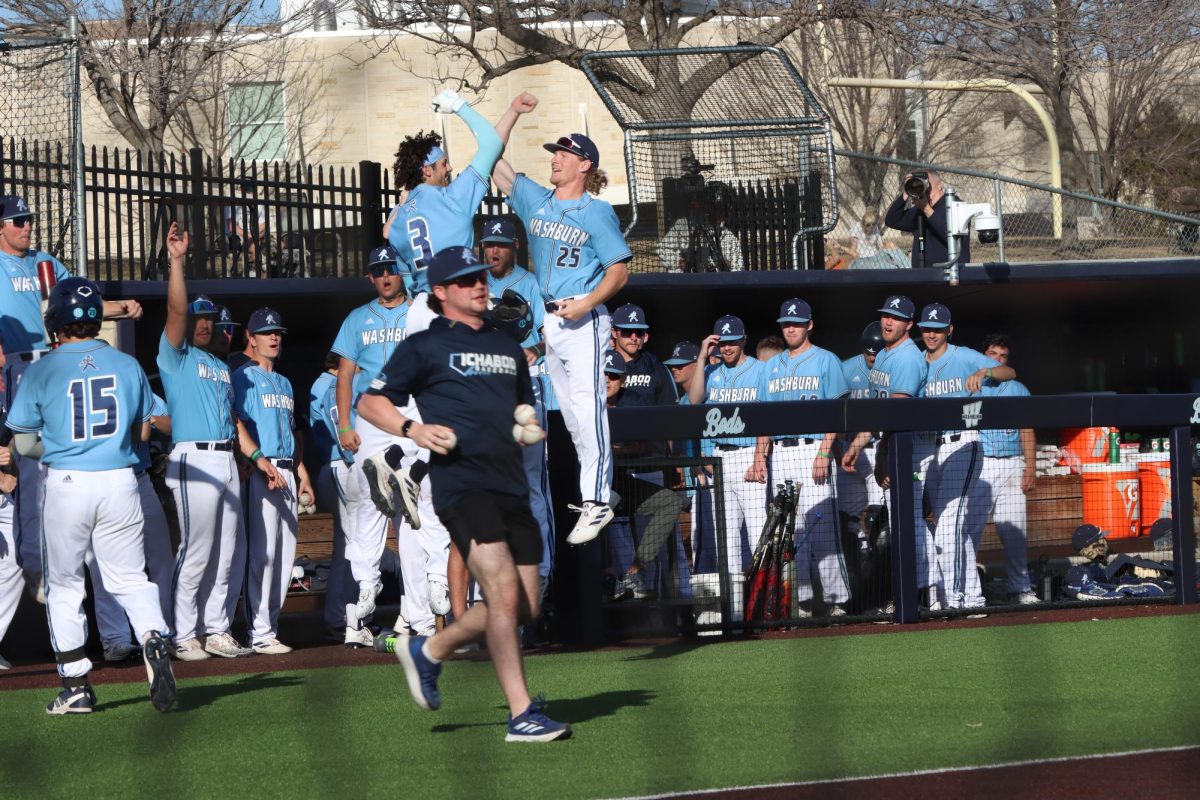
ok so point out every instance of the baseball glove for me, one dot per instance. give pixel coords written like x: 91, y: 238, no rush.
x: 512, y: 313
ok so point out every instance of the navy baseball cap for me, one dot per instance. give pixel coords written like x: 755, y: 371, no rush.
x: 1085, y: 535
x: 203, y: 307
x: 795, y: 310
x: 13, y: 207
x: 453, y: 262
x: 934, y: 315
x: 614, y: 363
x: 578, y: 144
x: 266, y: 320
x: 899, y: 306
x: 224, y: 317
x: 682, y: 354
x: 729, y: 328
x: 384, y: 256
x: 499, y: 229
x: 630, y: 317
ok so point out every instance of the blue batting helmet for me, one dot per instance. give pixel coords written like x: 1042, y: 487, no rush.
x: 73, y: 300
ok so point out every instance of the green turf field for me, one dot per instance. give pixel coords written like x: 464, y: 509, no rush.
x: 647, y: 720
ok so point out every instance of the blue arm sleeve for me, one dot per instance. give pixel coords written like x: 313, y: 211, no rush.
x: 489, y: 144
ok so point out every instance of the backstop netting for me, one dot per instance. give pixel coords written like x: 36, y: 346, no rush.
x: 38, y: 107
x: 729, y: 157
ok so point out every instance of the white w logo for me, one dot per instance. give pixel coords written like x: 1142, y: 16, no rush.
x: 972, y: 413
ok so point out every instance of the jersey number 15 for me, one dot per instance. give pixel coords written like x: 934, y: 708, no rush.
x: 93, y: 397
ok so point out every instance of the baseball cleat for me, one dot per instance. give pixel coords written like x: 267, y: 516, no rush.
x: 379, y: 473
x: 405, y: 484
x: 1024, y: 598
x: 225, y: 646
x: 271, y: 647
x: 158, y: 672
x: 190, y: 650
x: 5, y: 663
x: 367, y: 592
x: 631, y: 584
x: 439, y: 598
x: 592, y: 519
x: 73, y: 700
x: 421, y: 673
x: 116, y: 652
x: 361, y: 637
x: 535, y: 726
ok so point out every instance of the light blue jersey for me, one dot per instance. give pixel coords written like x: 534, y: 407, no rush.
x: 857, y: 376
x: 740, y: 384
x: 263, y: 401
x: 571, y: 242
x: 523, y: 283
x: 85, y: 398
x: 368, y: 337
x: 899, y: 371
x: 815, y: 374
x: 158, y: 407
x: 199, y: 393
x: 1003, y: 442
x: 21, y: 329
x: 323, y: 419
x: 947, y: 376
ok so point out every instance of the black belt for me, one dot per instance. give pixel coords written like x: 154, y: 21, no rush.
x: 220, y: 446
x: 551, y: 306
x: 725, y: 448
x: 794, y: 441
x: 282, y: 463
x: 954, y: 437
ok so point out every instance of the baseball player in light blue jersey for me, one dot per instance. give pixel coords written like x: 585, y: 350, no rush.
x: 738, y: 379
x: 1010, y: 472
x: 160, y: 563
x: 266, y: 424
x: 858, y: 490
x: 900, y: 371
x: 11, y: 580
x: 23, y: 341
x: 499, y: 246
x: 337, y: 489
x: 958, y: 495
x: 92, y: 405
x: 368, y: 337
x: 806, y: 372
x: 201, y: 472
x: 438, y: 211
x: 580, y: 259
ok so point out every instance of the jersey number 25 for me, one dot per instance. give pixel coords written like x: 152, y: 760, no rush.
x: 93, y: 397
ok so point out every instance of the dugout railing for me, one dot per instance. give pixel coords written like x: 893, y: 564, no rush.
x: 907, y: 424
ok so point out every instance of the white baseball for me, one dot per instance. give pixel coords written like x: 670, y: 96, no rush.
x: 451, y: 440
x: 524, y: 414
x: 528, y: 434
x: 306, y: 499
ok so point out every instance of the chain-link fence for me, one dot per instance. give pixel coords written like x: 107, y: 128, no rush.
x: 1039, y: 223
x: 38, y: 136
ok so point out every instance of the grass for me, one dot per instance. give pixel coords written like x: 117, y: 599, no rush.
x: 647, y: 720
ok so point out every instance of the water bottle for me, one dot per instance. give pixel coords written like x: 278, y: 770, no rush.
x: 1114, y: 449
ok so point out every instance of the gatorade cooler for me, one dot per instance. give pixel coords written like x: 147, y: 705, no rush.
x: 1083, y: 446
x: 1154, y: 488
x: 1110, y: 498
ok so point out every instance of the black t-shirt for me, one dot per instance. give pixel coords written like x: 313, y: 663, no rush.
x: 646, y: 377
x: 469, y: 380
x: 904, y: 218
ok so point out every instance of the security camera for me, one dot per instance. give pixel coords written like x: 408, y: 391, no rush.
x: 987, y: 228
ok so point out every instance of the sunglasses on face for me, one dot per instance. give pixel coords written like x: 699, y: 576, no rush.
x: 20, y: 222
x: 380, y: 270
x: 468, y: 281
x: 631, y: 334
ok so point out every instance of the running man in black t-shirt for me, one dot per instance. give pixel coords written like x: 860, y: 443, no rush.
x: 468, y: 377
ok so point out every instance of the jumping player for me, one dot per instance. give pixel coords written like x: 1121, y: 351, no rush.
x: 201, y: 472
x: 91, y: 404
x: 580, y: 259
x: 468, y: 378
x: 958, y: 491
x: 806, y: 372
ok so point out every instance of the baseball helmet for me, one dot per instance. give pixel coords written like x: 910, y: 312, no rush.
x: 872, y: 338
x: 512, y: 314
x: 73, y: 300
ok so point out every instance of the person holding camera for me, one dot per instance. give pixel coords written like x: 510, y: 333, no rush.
x: 700, y: 241
x: 921, y: 210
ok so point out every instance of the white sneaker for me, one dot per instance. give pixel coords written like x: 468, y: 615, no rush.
x: 378, y: 474
x: 836, y: 610
x: 189, y: 650
x: 225, y: 646
x: 271, y: 647
x: 407, y: 493
x: 439, y: 598
x: 367, y: 592
x: 358, y: 638
x: 592, y: 519
x: 1025, y: 598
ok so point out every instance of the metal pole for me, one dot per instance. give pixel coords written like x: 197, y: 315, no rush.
x: 1184, y: 544
x: 998, y: 204
x: 79, y: 223
x: 903, y: 525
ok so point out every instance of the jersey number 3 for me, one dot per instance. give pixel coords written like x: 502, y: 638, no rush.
x: 418, y: 237
x: 93, y: 397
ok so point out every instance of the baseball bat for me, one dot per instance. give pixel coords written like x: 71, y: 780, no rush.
x: 46, y: 279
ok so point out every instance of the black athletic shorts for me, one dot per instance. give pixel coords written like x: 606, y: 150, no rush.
x: 486, y: 516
